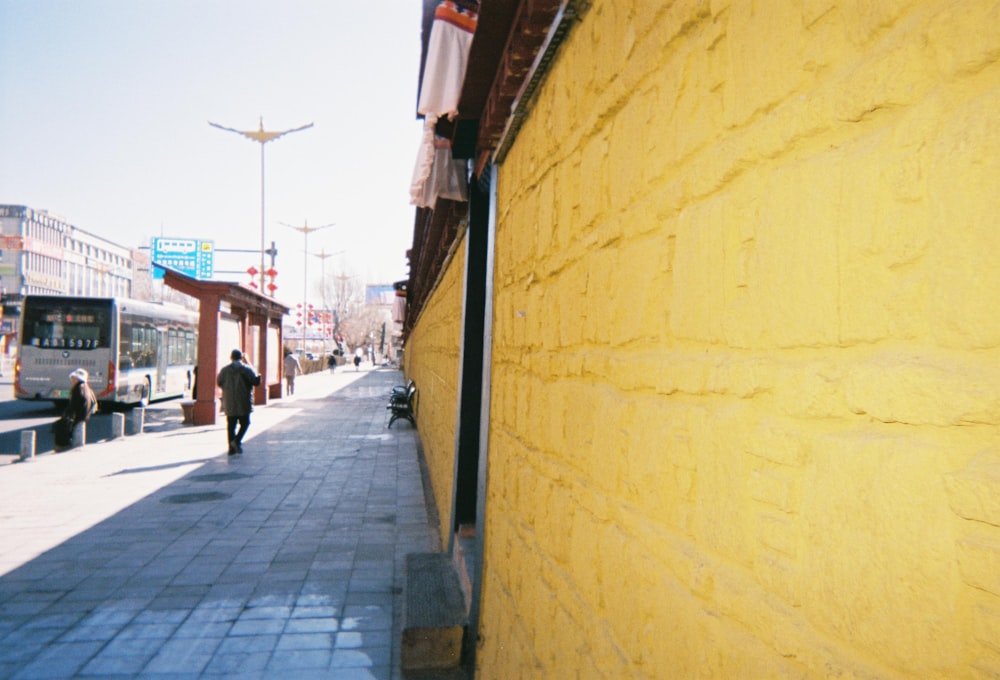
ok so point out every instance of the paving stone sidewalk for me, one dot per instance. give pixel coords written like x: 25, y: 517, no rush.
x: 159, y: 556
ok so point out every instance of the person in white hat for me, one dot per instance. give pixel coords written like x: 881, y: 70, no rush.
x: 82, y: 403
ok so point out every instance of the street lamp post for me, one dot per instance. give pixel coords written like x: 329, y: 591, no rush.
x: 305, y: 229
x: 262, y: 137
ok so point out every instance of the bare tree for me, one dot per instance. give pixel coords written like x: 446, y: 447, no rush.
x: 367, y: 327
x: 343, y: 297
x: 353, y: 319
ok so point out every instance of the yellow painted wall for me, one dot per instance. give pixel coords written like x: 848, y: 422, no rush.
x: 746, y: 366
x: 431, y: 361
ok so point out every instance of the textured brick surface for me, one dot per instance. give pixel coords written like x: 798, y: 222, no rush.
x: 745, y: 381
x: 432, y: 362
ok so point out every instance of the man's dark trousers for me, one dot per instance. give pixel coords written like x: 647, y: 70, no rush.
x: 236, y: 438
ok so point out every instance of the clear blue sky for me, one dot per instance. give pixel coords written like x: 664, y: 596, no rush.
x: 104, y: 110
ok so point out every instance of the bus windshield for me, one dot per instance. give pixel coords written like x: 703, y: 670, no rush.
x: 63, y: 324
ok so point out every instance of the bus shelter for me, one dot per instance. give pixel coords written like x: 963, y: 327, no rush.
x: 232, y: 316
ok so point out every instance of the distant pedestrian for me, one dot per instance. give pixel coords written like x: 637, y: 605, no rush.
x: 237, y: 380
x: 331, y: 362
x: 292, y: 368
x: 82, y: 404
x: 357, y: 362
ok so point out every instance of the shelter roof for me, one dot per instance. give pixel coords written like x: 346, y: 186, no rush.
x: 232, y: 292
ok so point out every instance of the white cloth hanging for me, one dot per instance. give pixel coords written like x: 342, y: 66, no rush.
x: 435, y: 172
x: 447, y: 59
x: 399, y: 308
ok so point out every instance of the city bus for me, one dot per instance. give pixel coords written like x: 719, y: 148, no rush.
x: 134, y: 351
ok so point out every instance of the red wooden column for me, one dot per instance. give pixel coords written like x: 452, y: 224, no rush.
x: 260, y: 393
x: 277, y: 355
x: 208, y: 331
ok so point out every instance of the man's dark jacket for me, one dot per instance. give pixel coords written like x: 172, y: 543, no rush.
x: 237, y: 381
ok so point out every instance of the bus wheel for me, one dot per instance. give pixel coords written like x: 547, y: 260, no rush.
x: 147, y: 389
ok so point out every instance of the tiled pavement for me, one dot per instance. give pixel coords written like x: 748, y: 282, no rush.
x: 158, y: 556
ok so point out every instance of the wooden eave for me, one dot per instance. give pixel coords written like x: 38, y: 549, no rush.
x: 234, y: 293
x: 508, y: 38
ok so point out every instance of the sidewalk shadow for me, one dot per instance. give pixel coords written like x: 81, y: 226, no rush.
x: 277, y: 561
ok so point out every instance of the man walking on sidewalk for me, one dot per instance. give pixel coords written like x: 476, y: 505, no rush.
x: 237, y: 380
x: 292, y: 369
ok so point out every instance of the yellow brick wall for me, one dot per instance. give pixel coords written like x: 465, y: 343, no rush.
x: 746, y: 365
x: 431, y: 361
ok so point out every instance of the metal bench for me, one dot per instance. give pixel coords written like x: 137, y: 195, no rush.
x: 401, y: 403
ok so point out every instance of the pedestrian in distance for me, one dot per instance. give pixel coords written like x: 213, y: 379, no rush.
x: 357, y: 362
x: 237, y: 380
x: 82, y: 404
x: 292, y: 368
x: 331, y: 362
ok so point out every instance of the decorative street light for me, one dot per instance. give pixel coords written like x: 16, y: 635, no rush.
x: 262, y: 137
x: 306, y: 230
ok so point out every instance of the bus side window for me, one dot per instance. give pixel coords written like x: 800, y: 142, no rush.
x: 137, y: 344
x: 143, y: 346
x: 125, y: 344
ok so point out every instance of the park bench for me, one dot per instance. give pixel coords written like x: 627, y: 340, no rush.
x: 401, y: 403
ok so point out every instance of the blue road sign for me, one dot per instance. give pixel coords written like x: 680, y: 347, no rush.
x: 188, y: 256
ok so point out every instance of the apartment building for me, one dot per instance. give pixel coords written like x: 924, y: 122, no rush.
x: 41, y: 253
